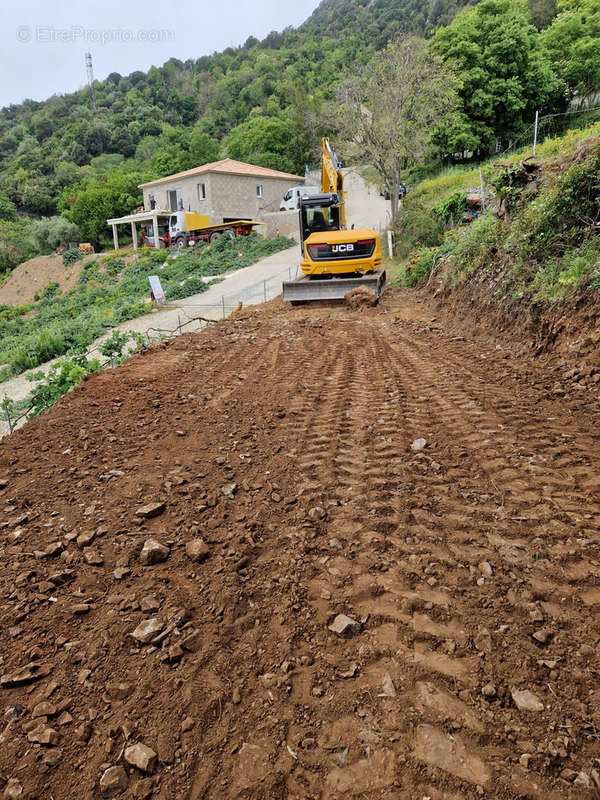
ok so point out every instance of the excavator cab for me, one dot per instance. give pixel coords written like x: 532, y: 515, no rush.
x: 319, y: 213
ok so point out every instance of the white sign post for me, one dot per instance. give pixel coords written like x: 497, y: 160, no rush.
x: 156, y: 290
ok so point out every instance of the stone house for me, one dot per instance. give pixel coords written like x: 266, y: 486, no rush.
x: 225, y: 191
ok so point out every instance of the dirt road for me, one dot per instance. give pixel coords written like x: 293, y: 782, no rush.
x: 287, y: 439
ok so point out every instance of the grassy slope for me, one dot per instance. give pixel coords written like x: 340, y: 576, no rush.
x: 109, y: 293
x: 545, y: 247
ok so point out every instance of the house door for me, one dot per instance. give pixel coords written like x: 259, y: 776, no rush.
x: 175, y: 200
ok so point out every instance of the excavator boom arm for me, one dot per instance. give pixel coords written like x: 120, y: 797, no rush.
x: 332, y: 177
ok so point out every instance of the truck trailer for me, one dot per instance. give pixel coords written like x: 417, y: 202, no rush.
x: 185, y: 229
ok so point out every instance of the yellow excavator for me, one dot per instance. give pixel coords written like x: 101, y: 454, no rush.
x: 335, y: 260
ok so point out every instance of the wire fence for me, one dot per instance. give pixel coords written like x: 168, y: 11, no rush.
x: 551, y: 126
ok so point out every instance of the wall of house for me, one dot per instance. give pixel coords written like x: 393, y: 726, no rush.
x: 227, y: 196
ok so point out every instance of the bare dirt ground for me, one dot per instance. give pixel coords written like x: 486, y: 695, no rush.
x: 35, y: 274
x: 286, y: 440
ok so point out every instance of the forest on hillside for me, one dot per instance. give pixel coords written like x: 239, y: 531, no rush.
x: 269, y: 102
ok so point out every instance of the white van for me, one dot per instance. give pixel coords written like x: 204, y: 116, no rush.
x: 291, y: 198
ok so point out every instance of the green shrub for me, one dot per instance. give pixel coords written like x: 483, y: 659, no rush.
x: 420, y: 265
x: 114, y: 265
x: 8, y: 210
x: 50, y: 291
x: 112, y: 347
x: 416, y: 226
x: 71, y: 256
x: 51, y: 232
x: 451, y: 210
x: 61, y: 378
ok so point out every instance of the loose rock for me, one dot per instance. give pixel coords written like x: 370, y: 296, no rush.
x: 44, y: 735
x: 113, y: 781
x: 147, y: 630
x: 140, y: 756
x: 13, y: 789
x: 93, y: 557
x: 153, y: 551
x: 418, y: 445
x: 151, y: 510
x: 197, y: 550
x: 526, y: 700
x: 344, y: 626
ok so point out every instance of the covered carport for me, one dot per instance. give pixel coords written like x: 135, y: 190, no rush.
x: 133, y: 220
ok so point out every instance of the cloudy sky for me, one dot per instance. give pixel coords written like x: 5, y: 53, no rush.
x: 43, y: 43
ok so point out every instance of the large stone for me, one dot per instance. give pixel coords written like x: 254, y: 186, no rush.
x: 344, y: 626
x: 119, y: 691
x: 13, y: 789
x: 113, y: 781
x: 44, y: 735
x: 526, y: 700
x: 31, y: 672
x: 44, y: 709
x: 197, y: 550
x: 140, y: 756
x: 150, y: 510
x: 93, y: 557
x: 147, y: 630
x: 153, y: 551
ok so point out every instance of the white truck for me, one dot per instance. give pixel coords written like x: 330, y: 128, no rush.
x: 291, y: 199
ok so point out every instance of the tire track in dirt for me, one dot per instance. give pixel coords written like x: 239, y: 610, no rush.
x: 453, y: 557
x: 416, y: 620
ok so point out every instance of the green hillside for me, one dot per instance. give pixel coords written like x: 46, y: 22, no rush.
x: 270, y: 102
x: 177, y: 115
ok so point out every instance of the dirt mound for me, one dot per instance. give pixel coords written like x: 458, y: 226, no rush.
x: 361, y: 297
x: 34, y: 275
x: 228, y: 573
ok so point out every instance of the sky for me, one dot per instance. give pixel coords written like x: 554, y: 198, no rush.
x: 43, y: 44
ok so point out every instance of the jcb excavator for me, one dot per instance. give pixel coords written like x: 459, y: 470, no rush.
x: 335, y: 260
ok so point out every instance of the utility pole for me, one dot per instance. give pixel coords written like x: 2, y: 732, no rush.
x: 90, y: 78
x: 535, y: 132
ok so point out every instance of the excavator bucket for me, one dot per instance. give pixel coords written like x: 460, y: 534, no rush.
x: 332, y: 288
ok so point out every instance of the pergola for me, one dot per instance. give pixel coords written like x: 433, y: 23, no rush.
x: 133, y: 219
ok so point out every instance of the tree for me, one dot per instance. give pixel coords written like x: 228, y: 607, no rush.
x: 389, y: 110
x: 264, y: 141
x: 8, y: 210
x: 48, y: 233
x: 542, y: 12
x: 203, y: 149
x: 573, y: 43
x: 16, y: 244
x: 113, y: 196
x: 504, y: 73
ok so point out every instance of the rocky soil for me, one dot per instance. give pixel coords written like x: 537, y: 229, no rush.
x: 308, y: 553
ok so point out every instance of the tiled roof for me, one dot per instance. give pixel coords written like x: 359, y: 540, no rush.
x: 230, y: 167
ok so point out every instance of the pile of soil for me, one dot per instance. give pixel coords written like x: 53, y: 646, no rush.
x: 304, y: 554
x: 360, y: 298
x: 35, y: 274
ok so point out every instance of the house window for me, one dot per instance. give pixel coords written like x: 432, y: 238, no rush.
x: 201, y: 191
x: 259, y: 192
